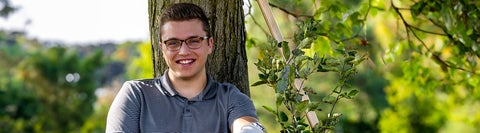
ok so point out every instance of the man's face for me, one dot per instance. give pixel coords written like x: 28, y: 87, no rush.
x: 185, y: 63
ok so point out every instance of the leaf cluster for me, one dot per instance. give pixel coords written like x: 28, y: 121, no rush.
x: 281, y: 75
x: 324, y: 44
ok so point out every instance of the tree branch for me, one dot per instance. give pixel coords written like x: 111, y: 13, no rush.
x: 436, y: 56
x: 422, y: 30
x: 289, y: 12
x: 441, y: 27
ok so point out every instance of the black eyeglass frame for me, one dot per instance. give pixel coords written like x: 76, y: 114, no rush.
x: 187, y: 42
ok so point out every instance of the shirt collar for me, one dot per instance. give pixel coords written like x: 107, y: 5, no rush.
x: 207, y: 93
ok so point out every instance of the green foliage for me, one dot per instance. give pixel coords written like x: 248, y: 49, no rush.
x: 46, y: 90
x: 281, y: 75
x: 325, y: 45
x: 439, y: 79
x: 280, y: 71
x: 64, y: 84
x: 141, y: 65
x: 425, y: 52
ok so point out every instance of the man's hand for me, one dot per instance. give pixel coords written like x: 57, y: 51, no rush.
x: 247, y: 124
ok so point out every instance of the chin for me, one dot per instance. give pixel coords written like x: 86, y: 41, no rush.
x: 184, y: 75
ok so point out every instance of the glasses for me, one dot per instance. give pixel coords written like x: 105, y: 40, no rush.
x: 192, y: 43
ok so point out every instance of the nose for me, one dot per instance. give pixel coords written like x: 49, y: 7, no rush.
x: 183, y: 49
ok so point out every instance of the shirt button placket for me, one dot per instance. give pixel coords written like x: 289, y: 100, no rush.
x: 187, y: 117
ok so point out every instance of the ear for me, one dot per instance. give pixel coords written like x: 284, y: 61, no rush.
x: 210, y: 45
x: 162, y: 49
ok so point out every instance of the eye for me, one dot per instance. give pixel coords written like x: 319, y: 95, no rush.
x: 172, y: 43
x: 196, y: 40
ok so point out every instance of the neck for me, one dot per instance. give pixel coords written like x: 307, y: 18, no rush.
x: 189, y: 87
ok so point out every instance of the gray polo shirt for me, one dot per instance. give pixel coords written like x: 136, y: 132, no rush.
x: 153, y: 105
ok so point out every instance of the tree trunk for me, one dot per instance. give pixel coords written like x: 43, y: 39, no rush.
x: 228, y: 61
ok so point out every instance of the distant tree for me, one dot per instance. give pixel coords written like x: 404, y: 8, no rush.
x: 6, y: 8
x: 50, y: 90
x: 228, y: 61
x: 18, y: 105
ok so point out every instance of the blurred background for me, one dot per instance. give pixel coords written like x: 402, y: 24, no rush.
x: 62, y: 62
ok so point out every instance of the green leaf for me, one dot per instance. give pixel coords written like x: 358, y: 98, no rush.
x: 272, y: 77
x: 307, y: 42
x: 349, y: 59
x: 373, y: 11
x: 332, y: 62
x: 262, y: 76
x: 319, y: 12
x: 354, y: 18
x: 329, y: 99
x: 322, y: 46
x: 298, y: 52
x: 279, y: 99
x: 302, y: 106
x: 353, y: 93
x: 283, y: 83
x: 251, y: 42
x: 286, y: 49
x: 320, y: 68
x: 340, y: 51
x: 259, y: 83
x: 469, y: 32
x: 349, y: 71
x: 305, y: 71
x: 301, y: 127
x: 352, y: 53
x: 417, y: 8
x: 283, y: 117
x: 306, y: 131
x: 312, y: 106
x: 300, y: 59
x: 359, y: 60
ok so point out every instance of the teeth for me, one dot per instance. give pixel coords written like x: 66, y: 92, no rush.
x: 185, y: 61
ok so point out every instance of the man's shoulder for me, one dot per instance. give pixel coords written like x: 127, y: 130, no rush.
x: 141, y: 81
x: 229, y: 89
x: 226, y: 86
x: 141, y: 84
x: 143, y: 88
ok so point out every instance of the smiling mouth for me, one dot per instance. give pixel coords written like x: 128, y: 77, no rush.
x: 186, y: 61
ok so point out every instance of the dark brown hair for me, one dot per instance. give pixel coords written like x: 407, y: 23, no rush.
x: 183, y: 12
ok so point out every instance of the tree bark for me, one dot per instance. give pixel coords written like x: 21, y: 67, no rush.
x: 228, y: 61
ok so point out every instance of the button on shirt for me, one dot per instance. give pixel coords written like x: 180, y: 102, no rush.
x: 153, y: 105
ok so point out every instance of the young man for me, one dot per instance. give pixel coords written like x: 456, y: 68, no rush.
x: 185, y: 98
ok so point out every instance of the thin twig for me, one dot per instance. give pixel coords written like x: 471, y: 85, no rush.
x: 289, y: 12
x: 422, y: 30
x: 249, y: 13
x: 409, y: 27
x: 338, y: 94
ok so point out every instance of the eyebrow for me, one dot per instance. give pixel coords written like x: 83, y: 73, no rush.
x: 174, y: 38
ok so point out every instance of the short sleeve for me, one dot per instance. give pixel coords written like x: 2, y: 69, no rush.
x: 239, y: 105
x: 124, y: 113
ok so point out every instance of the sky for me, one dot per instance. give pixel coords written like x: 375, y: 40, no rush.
x: 80, y: 21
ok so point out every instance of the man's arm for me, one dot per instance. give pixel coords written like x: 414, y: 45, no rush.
x: 123, y: 114
x: 242, y: 113
x: 247, y: 124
